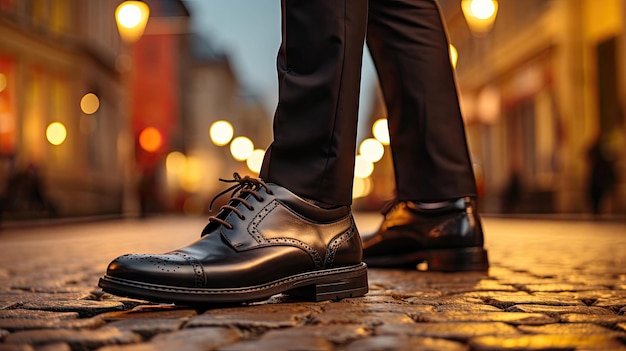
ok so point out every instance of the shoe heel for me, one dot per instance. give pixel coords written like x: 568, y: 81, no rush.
x: 458, y: 260
x: 336, y: 287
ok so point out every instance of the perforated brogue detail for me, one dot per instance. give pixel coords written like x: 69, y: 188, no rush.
x: 198, y: 269
x: 162, y: 263
x: 336, y: 243
x: 253, y: 226
x: 254, y: 232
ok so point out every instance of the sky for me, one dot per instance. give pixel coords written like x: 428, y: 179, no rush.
x: 249, y: 32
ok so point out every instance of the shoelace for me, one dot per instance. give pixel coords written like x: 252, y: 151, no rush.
x: 245, y: 185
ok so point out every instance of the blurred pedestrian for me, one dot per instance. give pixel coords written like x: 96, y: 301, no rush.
x: 602, y: 173
x: 291, y: 230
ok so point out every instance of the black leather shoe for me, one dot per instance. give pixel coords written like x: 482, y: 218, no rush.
x: 264, y: 241
x: 447, y: 236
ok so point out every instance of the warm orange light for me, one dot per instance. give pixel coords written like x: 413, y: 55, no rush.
x: 56, y: 133
x: 454, y: 55
x: 221, y: 132
x: 3, y: 82
x: 255, y: 160
x: 381, y: 131
x: 90, y: 103
x: 241, y: 148
x: 131, y: 18
x: 361, y: 187
x: 372, y: 150
x: 362, y: 167
x: 480, y: 15
x: 150, y: 139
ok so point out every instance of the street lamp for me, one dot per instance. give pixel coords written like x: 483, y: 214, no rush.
x: 480, y: 15
x: 131, y: 18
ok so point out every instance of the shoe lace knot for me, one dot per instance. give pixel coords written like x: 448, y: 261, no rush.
x: 245, y: 186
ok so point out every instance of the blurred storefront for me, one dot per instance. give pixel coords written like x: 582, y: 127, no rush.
x: 538, y: 90
x: 60, y: 111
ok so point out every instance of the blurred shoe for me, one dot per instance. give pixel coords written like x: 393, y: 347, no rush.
x: 447, y: 236
x: 264, y: 241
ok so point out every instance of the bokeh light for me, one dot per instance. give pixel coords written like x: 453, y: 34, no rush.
x: 221, y: 132
x: 255, y: 161
x: 89, y: 103
x: 241, y: 148
x: 129, y: 15
x: 381, y: 131
x: 361, y: 187
x: 362, y: 167
x: 150, y: 139
x: 483, y: 9
x: 191, y: 178
x: 454, y: 55
x: 372, y: 150
x: 3, y: 82
x: 175, y: 162
x: 56, y: 133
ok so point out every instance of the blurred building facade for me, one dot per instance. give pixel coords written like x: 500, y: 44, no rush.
x: 52, y: 53
x: 538, y: 91
x: 98, y: 160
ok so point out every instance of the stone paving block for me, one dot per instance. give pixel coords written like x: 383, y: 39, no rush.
x: 461, y: 287
x: 16, y: 324
x: 33, y: 314
x: 61, y: 346
x: 622, y: 311
x: 622, y: 326
x: 614, y: 303
x: 8, y: 347
x: 505, y: 300
x: 171, y: 313
x: 17, y: 297
x: 147, y: 328
x: 466, y: 307
x: 559, y: 287
x: 454, y: 331
x: 516, y: 318
x: 184, y: 340
x: 85, y: 308
x: 303, y: 342
x: 253, y: 317
x: 555, y: 311
x: 404, y: 343
x: 604, y: 320
x: 370, y: 319
x: 545, y: 343
x: 337, y: 334
x: 379, y: 307
x: 77, y: 339
x: 567, y: 329
x: 4, y: 305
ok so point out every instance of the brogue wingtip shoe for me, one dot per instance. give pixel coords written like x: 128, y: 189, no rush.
x: 264, y: 241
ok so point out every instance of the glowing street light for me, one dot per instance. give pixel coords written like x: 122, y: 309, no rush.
x: 480, y: 15
x: 381, y: 131
x: 241, y: 148
x: 131, y: 18
x: 372, y: 150
x: 255, y: 161
x: 56, y: 133
x: 221, y: 132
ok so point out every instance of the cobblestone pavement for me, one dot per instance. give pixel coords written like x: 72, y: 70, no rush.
x: 553, y: 285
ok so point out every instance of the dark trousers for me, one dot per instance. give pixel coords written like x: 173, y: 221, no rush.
x: 319, y: 68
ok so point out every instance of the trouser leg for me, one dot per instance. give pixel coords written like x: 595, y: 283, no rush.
x: 409, y: 45
x: 319, y: 70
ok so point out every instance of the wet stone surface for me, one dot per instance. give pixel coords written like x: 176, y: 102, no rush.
x: 573, y: 298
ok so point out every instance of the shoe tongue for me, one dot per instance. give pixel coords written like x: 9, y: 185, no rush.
x: 222, y: 213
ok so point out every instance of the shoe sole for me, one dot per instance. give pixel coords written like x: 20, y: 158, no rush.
x: 448, y: 260
x: 327, y: 284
